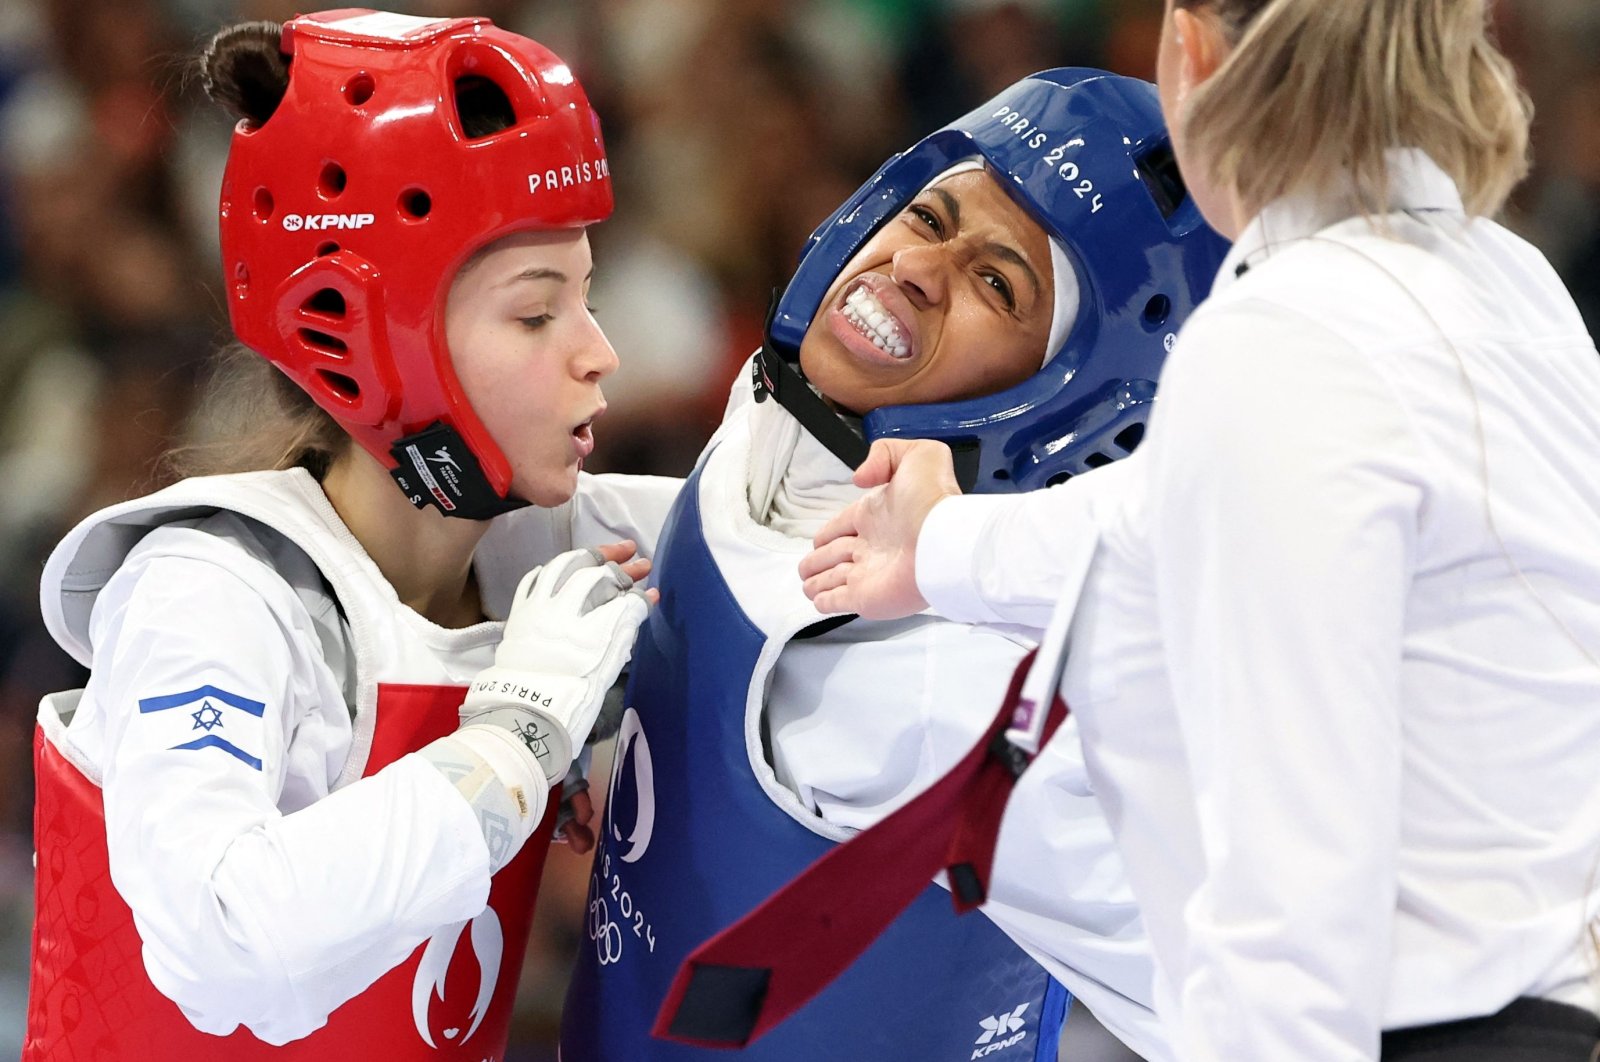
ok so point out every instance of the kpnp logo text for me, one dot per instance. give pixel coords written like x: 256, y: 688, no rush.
x: 297, y: 222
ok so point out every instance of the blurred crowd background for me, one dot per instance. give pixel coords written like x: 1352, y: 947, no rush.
x: 734, y: 127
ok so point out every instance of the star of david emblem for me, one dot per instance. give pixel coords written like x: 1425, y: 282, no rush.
x: 207, y: 718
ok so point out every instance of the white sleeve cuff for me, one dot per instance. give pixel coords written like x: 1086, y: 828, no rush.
x: 949, y: 550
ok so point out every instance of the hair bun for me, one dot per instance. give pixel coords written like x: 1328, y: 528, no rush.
x: 244, y: 69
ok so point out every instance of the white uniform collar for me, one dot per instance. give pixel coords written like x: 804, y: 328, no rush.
x: 1415, y: 183
x: 795, y: 484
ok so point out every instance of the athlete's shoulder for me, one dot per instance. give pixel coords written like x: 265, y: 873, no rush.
x: 225, y: 547
x: 234, y: 531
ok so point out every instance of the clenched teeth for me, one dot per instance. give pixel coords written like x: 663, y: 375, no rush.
x: 863, y: 310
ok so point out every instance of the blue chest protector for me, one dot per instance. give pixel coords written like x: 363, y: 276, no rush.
x: 691, y: 842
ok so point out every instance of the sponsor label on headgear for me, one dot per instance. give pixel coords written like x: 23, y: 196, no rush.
x: 297, y: 222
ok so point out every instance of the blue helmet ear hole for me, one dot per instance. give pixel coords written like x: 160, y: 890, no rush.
x: 1130, y: 437
x: 1001, y: 474
x: 1156, y: 312
x: 1158, y: 168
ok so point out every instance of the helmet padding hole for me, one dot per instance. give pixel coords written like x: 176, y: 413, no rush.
x: 483, y: 107
x: 1158, y: 169
x: 359, y: 89
x: 323, y: 343
x: 415, y: 203
x: 331, y: 183
x: 341, y: 385
x: 1156, y: 311
x: 327, y: 302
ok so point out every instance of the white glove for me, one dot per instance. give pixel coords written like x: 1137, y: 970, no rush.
x: 569, y: 633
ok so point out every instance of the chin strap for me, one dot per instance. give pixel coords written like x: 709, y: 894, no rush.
x: 775, y: 376
x: 434, y: 467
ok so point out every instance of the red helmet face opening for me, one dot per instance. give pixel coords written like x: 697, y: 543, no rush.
x: 346, y: 215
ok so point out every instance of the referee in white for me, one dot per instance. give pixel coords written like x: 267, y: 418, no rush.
x: 1336, y: 659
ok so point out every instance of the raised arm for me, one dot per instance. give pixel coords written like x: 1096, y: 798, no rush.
x: 916, y: 542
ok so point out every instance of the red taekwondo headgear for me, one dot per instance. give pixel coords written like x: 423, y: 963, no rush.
x: 347, y: 213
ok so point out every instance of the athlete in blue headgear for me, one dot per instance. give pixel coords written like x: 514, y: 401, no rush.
x: 1009, y: 285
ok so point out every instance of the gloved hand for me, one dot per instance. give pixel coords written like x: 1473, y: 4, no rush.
x: 569, y: 633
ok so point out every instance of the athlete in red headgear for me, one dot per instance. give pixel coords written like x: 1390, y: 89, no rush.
x: 271, y: 808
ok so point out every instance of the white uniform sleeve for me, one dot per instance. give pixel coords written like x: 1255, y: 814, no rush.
x: 1008, y: 558
x: 611, y: 507
x: 1284, y: 502
x: 605, y: 509
x: 249, y: 916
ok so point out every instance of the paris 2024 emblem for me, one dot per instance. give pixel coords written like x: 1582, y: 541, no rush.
x: 615, y: 922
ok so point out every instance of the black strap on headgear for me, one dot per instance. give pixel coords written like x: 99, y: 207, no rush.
x: 435, y: 467
x: 776, y: 376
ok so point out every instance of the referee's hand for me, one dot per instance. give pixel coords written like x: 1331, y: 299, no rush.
x: 865, y: 558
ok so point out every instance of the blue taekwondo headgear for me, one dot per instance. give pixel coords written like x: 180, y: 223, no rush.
x: 1087, y: 155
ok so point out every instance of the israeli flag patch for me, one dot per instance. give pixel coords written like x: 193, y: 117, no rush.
x: 207, y: 718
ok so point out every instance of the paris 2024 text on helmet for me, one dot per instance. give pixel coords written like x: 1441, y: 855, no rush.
x: 346, y: 213
x: 1087, y: 155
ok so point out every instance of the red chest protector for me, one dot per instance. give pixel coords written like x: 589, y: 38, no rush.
x: 91, y: 1000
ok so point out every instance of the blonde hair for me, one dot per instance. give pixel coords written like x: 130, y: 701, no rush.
x: 1318, y: 88
x: 251, y: 417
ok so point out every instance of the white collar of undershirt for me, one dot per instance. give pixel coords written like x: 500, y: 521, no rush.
x: 795, y: 483
x: 1416, y: 183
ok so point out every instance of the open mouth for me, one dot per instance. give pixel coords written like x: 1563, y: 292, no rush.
x: 583, y: 437
x: 866, y: 313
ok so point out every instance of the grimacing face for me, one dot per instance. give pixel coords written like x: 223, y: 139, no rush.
x: 530, y: 357
x: 951, y: 298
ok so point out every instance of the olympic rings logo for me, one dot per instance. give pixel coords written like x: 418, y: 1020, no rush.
x: 605, y: 933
